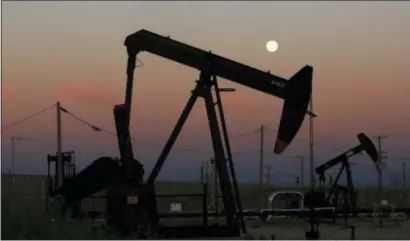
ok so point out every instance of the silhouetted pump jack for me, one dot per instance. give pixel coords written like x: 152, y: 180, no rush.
x: 315, y: 199
x: 131, y: 201
x: 365, y: 145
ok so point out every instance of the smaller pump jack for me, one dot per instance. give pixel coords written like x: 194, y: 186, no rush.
x: 319, y: 199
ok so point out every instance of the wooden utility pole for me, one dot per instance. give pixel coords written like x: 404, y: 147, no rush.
x: 404, y: 174
x: 311, y: 143
x: 404, y: 170
x: 60, y: 164
x: 261, y: 165
x: 380, y: 165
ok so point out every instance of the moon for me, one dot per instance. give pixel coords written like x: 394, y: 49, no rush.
x: 272, y: 46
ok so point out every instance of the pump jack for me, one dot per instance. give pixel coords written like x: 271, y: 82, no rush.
x: 350, y: 195
x: 134, y: 200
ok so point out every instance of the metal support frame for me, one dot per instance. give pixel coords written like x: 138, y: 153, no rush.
x: 343, y: 159
x: 230, y: 193
x: 296, y: 92
x: 350, y: 186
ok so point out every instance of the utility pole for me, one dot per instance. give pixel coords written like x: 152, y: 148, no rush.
x: 267, y: 174
x: 302, y: 170
x: 404, y: 174
x: 60, y: 164
x: 404, y: 170
x: 311, y: 142
x: 380, y: 165
x: 261, y: 157
x: 404, y: 179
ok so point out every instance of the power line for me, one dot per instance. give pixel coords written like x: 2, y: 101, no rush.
x: 399, y: 135
x: 28, y: 117
x: 96, y: 128
x: 99, y: 129
x: 307, y: 142
x: 243, y: 134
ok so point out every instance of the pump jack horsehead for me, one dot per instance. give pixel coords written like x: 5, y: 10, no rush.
x: 128, y: 177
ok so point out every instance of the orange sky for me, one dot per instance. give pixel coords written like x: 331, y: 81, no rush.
x: 73, y: 52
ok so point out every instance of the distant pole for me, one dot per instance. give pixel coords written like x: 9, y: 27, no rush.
x: 404, y: 174
x: 404, y: 170
x: 312, y: 179
x: 379, y: 166
x: 380, y: 174
x: 261, y: 157
x: 60, y: 164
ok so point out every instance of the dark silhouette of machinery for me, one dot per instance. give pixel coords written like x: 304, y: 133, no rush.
x: 131, y: 200
x: 339, y: 196
x: 69, y: 168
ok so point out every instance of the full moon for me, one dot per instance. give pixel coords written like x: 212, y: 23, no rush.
x: 272, y: 46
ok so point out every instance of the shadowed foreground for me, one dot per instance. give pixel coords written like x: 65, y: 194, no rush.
x: 23, y: 215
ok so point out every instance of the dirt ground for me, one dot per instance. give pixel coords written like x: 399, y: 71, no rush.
x: 291, y: 229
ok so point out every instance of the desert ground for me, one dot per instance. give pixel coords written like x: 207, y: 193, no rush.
x: 23, y: 215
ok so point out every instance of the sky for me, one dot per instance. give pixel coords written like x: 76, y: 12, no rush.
x: 73, y: 52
